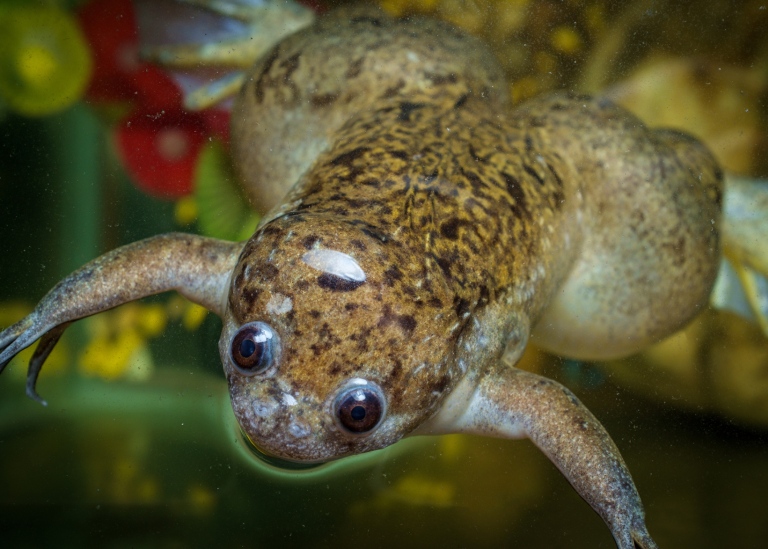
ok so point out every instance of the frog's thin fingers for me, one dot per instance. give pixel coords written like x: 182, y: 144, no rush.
x: 630, y: 532
x: 12, y: 332
x: 745, y: 221
x: 228, y: 8
x: 18, y: 337
x: 230, y: 46
x: 641, y: 539
x: 745, y: 250
x: 210, y: 94
x: 187, y: 56
x: 284, y: 12
x: 755, y: 294
x: 44, y: 348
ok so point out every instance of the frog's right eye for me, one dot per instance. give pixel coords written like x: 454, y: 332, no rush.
x: 253, y: 348
x: 360, y: 408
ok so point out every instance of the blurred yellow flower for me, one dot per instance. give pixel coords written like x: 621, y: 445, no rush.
x: 45, y: 62
x: 118, y: 347
x: 111, y: 357
x: 191, y: 314
x: 566, y: 40
x: 152, y: 320
x: 194, y: 316
x: 185, y: 210
x: 201, y: 499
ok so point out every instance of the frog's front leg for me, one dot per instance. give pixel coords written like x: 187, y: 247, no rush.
x: 197, y: 267
x: 512, y: 403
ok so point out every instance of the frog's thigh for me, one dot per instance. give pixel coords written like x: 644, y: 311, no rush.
x: 650, y: 252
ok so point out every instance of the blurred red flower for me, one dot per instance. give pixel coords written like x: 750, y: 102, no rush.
x: 159, y: 141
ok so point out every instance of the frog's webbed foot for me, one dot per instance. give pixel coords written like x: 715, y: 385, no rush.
x: 512, y: 403
x: 742, y: 285
x: 197, y: 267
x: 246, y: 32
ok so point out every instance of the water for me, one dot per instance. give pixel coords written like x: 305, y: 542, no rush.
x: 162, y: 464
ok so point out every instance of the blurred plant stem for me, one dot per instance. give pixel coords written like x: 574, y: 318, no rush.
x: 76, y: 143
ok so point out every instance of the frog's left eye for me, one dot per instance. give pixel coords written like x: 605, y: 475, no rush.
x: 360, y: 409
x: 253, y: 348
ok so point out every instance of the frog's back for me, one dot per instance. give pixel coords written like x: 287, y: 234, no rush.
x: 353, y: 60
x: 568, y: 211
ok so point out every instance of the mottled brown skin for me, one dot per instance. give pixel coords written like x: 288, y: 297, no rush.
x: 302, y: 92
x: 427, y: 232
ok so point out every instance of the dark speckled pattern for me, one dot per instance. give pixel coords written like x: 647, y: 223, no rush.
x: 472, y: 224
x: 301, y: 93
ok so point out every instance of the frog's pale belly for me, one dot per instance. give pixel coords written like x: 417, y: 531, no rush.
x: 426, y: 230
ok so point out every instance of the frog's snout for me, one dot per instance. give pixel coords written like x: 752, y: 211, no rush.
x: 286, y: 424
x: 284, y: 420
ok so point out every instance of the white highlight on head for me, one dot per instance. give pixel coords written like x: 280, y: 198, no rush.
x: 289, y: 400
x: 334, y: 263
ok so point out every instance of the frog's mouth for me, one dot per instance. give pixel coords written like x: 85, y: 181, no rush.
x: 274, y: 461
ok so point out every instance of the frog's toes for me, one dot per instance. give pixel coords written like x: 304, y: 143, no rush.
x: 16, y: 338
x: 742, y: 290
x: 234, y: 44
x: 21, y: 335
x: 208, y: 95
x: 44, y: 348
x: 249, y: 12
x: 632, y: 532
x: 742, y: 284
x: 642, y: 539
x: 623, y: 512
x: 236, y: 36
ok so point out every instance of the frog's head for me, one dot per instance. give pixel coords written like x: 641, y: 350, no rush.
x: 333, y: 341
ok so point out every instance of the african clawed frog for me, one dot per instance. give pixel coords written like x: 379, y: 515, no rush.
x: 419, y: 233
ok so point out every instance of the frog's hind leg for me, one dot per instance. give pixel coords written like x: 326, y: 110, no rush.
x: 245, y: 32
x: 263, y: 25
x: 203, y: 96
x: 650, y: 222
x: 742, y: 286
x: 197, y: 267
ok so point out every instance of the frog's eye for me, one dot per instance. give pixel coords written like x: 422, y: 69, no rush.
x: 253, y: 347
x: 360, y: 409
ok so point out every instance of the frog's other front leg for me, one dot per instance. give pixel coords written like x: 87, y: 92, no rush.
x: 512, y: 403
x: 197, y: 267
